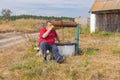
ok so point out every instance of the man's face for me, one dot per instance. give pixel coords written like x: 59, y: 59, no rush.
x: 49, y: 24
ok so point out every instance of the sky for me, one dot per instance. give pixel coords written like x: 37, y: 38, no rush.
x: 57, y: 8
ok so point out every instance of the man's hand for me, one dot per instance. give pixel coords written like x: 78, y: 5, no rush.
x: 47, y: 32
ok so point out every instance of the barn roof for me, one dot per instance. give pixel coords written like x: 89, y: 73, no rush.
x: 105, y: 5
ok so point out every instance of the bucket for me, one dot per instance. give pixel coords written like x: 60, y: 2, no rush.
x: 66, y: 49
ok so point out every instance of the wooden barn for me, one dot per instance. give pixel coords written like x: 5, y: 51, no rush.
x: 105, y: 16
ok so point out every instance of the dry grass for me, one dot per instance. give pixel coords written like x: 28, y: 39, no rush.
x: 66, y: 34
x: 99, y: 60
x: 21, y: 25
x: 99, y: 57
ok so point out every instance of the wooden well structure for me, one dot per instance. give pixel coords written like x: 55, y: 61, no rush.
x: 70, y: 24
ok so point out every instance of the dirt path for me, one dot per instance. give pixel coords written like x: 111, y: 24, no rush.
x: 11, y: 41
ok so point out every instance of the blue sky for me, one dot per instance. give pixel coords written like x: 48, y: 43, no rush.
x: 68, y: 8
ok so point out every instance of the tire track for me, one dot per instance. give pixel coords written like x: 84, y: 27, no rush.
x: 6, y: 43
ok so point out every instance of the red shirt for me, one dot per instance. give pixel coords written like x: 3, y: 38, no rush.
x: 50, y: 39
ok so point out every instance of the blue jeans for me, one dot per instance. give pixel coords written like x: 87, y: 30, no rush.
x: 52, y: 48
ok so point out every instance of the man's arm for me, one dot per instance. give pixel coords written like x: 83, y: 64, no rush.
x: 46, y: 33
x: 57, y: 38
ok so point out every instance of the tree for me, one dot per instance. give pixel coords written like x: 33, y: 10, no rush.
x: 6, y: 14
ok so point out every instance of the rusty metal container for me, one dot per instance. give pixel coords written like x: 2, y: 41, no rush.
x: 64, y: 24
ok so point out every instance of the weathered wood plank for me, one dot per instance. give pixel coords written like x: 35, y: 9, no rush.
x: 109, y: 22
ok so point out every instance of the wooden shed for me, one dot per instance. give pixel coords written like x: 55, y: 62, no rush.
x: 105, y: 16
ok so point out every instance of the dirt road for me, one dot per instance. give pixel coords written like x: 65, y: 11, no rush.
x: 11, y: 41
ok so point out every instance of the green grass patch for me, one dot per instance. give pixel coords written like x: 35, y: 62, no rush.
x: 88, y: 51
x: 33, y: 69
x: 91, y: 52
x: 102, y: 34
x: 28, y: 64
x: 28, y: 61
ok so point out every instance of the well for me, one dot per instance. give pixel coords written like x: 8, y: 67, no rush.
x: 68, y: 48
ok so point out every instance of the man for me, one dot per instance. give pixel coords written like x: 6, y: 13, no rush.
x: 47, y: 42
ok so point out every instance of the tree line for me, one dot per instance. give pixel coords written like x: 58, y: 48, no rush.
x: 6, y: 15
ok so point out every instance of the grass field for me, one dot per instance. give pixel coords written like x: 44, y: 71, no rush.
x: 21, y: 25
x: 98, y: 59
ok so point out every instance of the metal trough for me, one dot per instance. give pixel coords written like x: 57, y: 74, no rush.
x: 66, y: 49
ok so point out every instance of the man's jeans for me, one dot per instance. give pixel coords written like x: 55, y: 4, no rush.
x: 52, y: 48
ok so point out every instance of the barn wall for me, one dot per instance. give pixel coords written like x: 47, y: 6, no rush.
x: 109, y: 22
